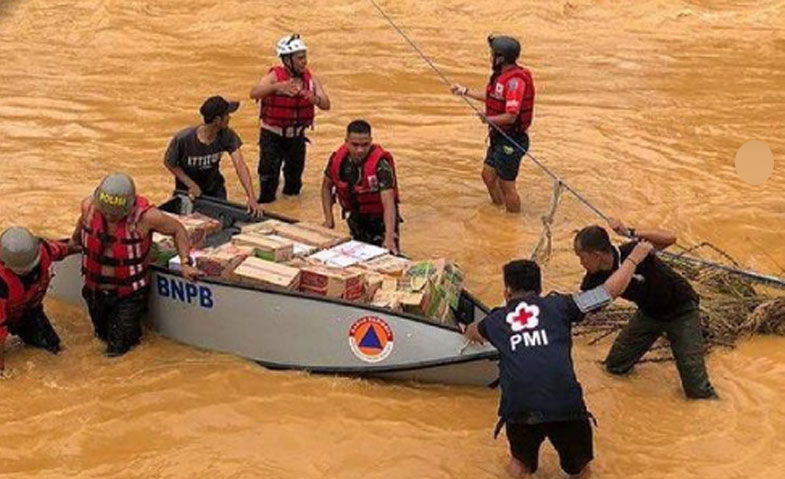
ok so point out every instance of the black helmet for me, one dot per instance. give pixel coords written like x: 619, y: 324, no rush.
x: 506, y: 47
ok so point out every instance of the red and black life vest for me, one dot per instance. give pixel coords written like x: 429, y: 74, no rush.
x: 129, y: 251
x: 495, y: 101
x: 364, y: 197
x: 286, y: 111
x: 21, y: 298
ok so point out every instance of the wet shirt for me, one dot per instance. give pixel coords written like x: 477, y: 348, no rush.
x: 536, y: 374
x: 199, y: 161
x: 658, y: 290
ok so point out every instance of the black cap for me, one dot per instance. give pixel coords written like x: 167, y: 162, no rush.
x: 216, y: 106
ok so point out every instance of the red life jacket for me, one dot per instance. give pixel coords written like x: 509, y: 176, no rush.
x: 364, y: 197
x: 495, y: 101
x: 20, y: 298
x: 286, y: 111
x: 129, y: 251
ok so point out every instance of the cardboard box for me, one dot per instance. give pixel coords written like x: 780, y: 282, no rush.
x: 338, y: 236
x: 221, y: 260
x: 387, y: 299
x: 332, y: 282
x: 162, y: 250
x: 305, y: 235
x: 263, y: 227
x: 198, y: 227
x: 415, y: 302
x: 258, y: 272
x: 348, y: 254
x: 300, y: 249
x: 441, y: 281
x: 387, y: 264
x: 266, y: 247
x: 372, y: 282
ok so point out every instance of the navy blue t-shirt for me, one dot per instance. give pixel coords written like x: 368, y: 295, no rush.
x: 536, y: 375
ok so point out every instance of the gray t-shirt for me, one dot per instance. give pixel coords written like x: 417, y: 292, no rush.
x: 199, y: 161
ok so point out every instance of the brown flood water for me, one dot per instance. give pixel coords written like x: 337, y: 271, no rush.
x: 641, y: 106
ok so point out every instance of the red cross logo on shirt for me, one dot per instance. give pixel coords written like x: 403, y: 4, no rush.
x: 525, y: 316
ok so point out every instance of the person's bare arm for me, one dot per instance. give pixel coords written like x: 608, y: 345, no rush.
x: 390, y: 217
x: 620, y: 279
x: 660, y: 238
x: 245, y: 179
x: 194, y: 191
x: 327, y: 202
x: 76, y: 236
x: 321, y: 100
x: 472, y: 333
x: 155, y: 220
x: 266, y: 86
x: 461, y: 90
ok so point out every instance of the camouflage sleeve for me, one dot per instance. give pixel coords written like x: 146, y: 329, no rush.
x: 385, y: 174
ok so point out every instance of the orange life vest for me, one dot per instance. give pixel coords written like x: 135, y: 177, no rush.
x: 364, y: 197
x: 129, y: 251
x: 495, y: 101
x: 21, y: 298
x: 286, y: 111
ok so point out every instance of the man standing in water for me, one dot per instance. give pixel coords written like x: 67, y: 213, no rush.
x: 540, y: 395
x: 115, y: 231
x: 509, y: 106
x: 362, y: 175
x: 288, y: 94
x: 194, y: 155
x: 25, y: 274
x: 666, y: 302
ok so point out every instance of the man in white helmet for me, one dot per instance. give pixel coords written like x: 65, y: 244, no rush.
x: 25, y: 273
x: 115, y: 231
x: 288, y: 94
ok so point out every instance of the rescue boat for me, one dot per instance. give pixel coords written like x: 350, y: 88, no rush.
x: 282, y: 329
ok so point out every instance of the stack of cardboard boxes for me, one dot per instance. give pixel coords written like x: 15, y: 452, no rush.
x: 320, y: 261
x: 427, y: 288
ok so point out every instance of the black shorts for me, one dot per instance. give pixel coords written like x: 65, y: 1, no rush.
x: 571, y: 439
x: 504, y: 157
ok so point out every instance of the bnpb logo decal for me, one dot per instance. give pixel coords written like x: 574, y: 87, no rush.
x: 371, y: 339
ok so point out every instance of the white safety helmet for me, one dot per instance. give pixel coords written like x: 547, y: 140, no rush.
x: 290, y: 44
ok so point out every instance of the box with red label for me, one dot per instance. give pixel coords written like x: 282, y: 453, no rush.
x: 258, y: 272
x: 221, y: 260
x: 331, y: 282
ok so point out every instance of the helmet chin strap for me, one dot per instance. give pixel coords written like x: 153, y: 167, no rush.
x: 498, y: 62
x: 288, y: 62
